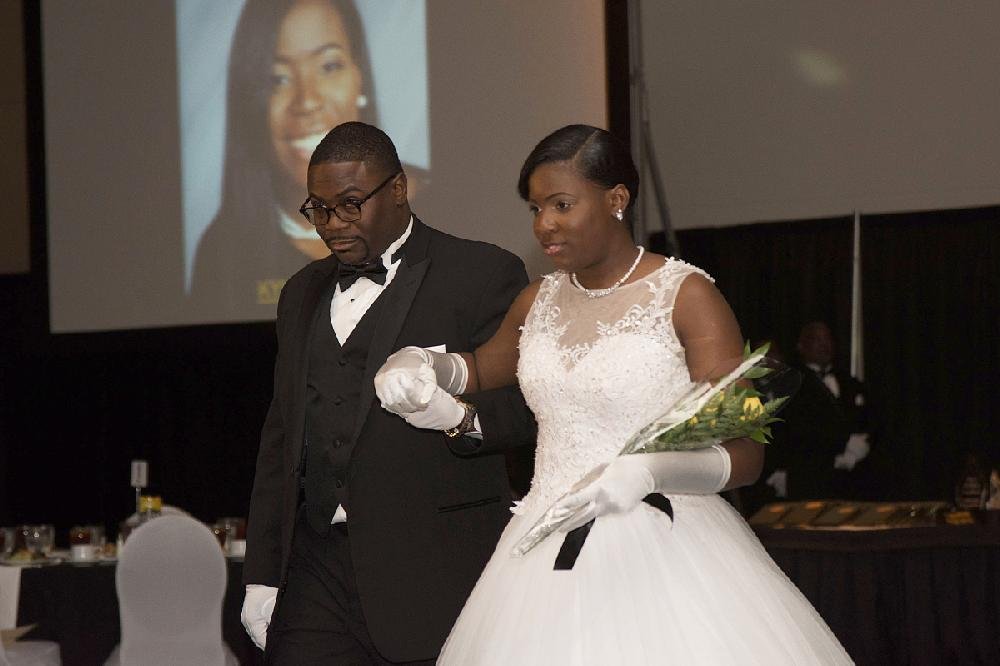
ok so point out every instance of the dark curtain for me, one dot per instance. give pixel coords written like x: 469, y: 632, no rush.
x: 931, y: 284
x: 77, y: 409
x: 780, y: 275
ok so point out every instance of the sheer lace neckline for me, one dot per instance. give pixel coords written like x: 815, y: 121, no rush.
x: 595, y: 370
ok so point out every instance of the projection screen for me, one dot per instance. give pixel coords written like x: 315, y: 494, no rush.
x: 174, y: 173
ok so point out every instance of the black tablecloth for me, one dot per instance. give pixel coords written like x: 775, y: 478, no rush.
x: 77, y: 606
x: 910, y: 596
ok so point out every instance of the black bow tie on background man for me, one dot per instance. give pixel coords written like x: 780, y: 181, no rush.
x: 348, y: 274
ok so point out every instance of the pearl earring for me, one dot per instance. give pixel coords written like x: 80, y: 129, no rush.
x: 619, y: 215
x: 361, y: 101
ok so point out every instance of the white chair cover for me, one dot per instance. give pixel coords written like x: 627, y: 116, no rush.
x: 31, y: 653
x: 171, y: 579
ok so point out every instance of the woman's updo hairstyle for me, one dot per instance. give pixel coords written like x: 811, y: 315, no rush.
x: 596, y: 154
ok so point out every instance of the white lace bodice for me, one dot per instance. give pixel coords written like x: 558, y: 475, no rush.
x: 595, y: 370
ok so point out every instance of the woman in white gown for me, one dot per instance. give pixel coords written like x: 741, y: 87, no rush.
x: 601, y: 347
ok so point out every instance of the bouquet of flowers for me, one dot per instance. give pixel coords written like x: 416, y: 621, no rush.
x: 741, y: 403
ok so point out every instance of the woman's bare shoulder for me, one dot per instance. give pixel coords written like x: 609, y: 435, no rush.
x: 522, y: 303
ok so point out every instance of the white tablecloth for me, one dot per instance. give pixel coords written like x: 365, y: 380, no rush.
x: 10, y: 589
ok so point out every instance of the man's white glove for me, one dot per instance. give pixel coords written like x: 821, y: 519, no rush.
x: 856, y: 450
x: 258, y: 604
x: 619, y: 486
x: 406, y: 380
x: 441, y: 412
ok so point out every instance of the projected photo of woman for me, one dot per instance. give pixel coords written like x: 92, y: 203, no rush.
x: 297, y: 68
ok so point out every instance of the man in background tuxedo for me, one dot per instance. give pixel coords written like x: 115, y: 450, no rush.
x: 825, y: 432
x: 365, y: 534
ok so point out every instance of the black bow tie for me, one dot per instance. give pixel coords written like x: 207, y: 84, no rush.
x: 348, y: 274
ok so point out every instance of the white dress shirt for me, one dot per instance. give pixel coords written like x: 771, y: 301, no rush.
x: 349, y: 306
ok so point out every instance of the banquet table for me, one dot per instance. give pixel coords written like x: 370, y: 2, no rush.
x: 77, y: 606
x: 910, y: 596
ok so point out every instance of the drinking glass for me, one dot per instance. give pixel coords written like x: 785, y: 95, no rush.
x: 38, y: 538
x: 7, y: 537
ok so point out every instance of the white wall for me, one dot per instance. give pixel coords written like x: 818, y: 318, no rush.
x: 785, y: 110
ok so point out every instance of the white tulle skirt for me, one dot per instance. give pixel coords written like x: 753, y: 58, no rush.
x: 703, y: 591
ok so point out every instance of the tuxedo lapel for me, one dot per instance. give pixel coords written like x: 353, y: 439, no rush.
x: 399, y: 294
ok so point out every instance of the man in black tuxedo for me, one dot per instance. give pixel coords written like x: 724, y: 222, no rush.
x: 825, y: 433
x: 365, y: 534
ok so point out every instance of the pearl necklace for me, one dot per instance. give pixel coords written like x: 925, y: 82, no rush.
x: 597, y: 293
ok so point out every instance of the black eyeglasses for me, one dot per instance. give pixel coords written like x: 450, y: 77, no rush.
x: 349, y: 210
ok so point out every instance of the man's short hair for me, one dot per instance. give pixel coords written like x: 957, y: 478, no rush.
x: 357, y: 142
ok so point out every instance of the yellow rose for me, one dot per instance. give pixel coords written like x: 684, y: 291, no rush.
x: 752, y: 407
x: 693, y: 420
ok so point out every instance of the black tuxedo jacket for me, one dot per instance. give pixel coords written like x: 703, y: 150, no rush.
x: 854, y: 401
x: 425, y: 512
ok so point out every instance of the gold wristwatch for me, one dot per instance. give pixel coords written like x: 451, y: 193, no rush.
x: 468, y: 422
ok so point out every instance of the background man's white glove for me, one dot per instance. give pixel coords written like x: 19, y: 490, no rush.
x: 779, y: 481
x: 441, y: 412
x: 619, y: 486
x: 855, y: 451
x: 258, y: 604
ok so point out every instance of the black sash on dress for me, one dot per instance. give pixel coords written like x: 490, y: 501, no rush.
x: 575, y: 539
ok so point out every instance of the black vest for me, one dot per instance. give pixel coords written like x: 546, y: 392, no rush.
x: 333, y: 389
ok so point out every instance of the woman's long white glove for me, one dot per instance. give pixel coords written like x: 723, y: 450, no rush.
x: 406, y: 381
x: 258, y: 604
x: 620, y: 486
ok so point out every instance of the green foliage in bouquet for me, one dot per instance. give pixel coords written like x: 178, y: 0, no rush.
x: 735, y: 410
